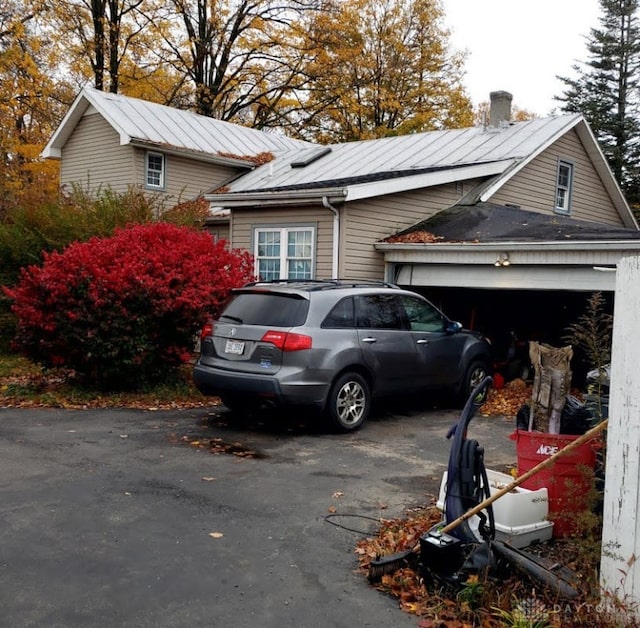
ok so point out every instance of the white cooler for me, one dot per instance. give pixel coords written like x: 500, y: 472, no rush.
x: 520, y: 515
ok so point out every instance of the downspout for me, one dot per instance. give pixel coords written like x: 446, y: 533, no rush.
x: 336, y: 236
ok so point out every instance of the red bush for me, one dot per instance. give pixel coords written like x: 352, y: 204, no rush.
x: 125, y: 309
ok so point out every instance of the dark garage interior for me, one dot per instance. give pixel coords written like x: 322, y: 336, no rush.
x: 537, y: 315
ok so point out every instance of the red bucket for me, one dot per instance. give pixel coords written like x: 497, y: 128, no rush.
x: 569, y: 480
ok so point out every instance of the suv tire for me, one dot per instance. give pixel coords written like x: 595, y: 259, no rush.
x: 349, y: 402
x: 476, y: 372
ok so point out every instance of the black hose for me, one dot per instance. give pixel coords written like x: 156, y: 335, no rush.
x: 460, y: 488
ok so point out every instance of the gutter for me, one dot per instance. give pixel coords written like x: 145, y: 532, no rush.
x: 336, y: 236
x: 276, y: 197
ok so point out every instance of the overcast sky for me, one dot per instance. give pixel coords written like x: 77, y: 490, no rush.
x: 520, y: 46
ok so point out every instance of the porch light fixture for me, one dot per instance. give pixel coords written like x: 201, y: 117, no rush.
x: 502, y: 260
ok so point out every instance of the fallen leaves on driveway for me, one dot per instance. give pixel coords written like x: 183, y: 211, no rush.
x: 219, y: 446
x: 57, y: 389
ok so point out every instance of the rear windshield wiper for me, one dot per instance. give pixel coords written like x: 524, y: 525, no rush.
x: 231, y: 318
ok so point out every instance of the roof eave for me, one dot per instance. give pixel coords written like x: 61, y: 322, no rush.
x: 541, y: 245
x: 288, y: 197
x: 359, y: 191
x: 602, y: 167
x: 53, y: 148
x: 486, y: 194
x: 83, y: 101
x: 192, y: 154
x: 597, y: 157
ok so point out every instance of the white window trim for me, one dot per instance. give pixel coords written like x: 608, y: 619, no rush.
x: 284, y: 260
x: 569, y: 188
x: 163, y: 170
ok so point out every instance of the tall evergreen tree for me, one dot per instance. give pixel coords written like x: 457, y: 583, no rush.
x: 606, y: 90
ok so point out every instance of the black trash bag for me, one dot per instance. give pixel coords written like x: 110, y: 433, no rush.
x: 522, y: 417
x: 576, y: 418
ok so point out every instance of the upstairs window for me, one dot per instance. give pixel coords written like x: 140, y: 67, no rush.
x: 564, y: 187
x: 284, y: 253
x: 154, y: 171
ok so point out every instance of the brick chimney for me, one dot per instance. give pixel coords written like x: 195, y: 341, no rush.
x: 500, y: 108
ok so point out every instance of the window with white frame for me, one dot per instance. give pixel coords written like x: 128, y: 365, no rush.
x: 284, y: 252
x: 564, y: 185
x: 154, y: 170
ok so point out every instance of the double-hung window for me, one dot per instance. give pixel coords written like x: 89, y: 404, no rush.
x: 284, y: 253
x: 564, y: 187
x: 154, y: 170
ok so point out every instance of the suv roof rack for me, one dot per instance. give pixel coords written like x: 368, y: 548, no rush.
x: 324, y: 284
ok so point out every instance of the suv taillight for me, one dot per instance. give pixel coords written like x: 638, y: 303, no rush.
x: 287, y: 341
x: 207, y: 330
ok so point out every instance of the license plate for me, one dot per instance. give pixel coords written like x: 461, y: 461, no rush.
x: 233, y: 346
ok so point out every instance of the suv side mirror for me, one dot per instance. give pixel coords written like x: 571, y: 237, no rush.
x: 453, y: 327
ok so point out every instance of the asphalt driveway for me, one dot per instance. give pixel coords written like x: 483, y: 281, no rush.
x: 116, y: 518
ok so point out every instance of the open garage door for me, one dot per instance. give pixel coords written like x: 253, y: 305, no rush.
x: 547, y: 277
x: 541, y: 315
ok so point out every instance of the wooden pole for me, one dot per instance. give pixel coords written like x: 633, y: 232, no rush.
x: 581, y: 440
x: 620, y: 567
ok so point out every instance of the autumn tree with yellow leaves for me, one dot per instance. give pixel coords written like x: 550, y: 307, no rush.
x: 325, y: 70
x: 31, y: 104
x: 382, y: 68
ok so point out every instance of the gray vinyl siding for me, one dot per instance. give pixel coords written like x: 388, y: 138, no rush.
x: 534, y: 187
x: 184, y: 178
x: 218, y: 231
x: 367, y: 221
x: 244, y: 221
x: 93, y: 158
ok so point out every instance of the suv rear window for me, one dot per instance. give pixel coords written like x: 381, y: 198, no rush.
x: 271, y: 310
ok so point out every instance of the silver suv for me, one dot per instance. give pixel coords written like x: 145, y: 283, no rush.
x: 334, y: 345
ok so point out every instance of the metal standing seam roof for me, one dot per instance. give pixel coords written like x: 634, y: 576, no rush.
x: 140, y: 121
x: 405, y: 155
x: 423, y: 159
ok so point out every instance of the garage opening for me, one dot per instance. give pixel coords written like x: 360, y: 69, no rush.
x: 540, y: 315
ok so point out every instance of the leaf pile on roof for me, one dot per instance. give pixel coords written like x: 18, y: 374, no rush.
x: 259, y: 159
x: 414, y: 237
x: 196, y: 208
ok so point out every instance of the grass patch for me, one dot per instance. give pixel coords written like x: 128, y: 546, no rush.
x: 25, y: 384
x: 12, y: 365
